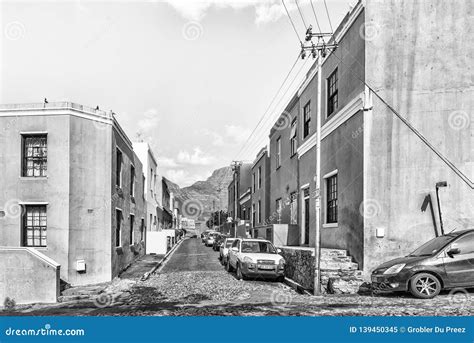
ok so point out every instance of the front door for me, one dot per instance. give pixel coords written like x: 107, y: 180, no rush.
x: 460, y: 267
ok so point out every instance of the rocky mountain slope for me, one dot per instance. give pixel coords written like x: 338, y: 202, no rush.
x: 202, y: 198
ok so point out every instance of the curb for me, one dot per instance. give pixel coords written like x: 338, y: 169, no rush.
x: 159, y: 264
x: 296, y: 286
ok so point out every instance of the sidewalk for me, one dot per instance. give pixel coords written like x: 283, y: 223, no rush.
x: 141, y: 266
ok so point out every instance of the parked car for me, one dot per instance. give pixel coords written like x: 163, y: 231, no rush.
x: 224, y: 250
x: 255, y: 258
x: 218, y: 241
x: 210, y: 238
x: 204, y: 235
x: 444, y: 262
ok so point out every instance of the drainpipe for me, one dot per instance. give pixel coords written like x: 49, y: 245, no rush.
x: 438, y: 186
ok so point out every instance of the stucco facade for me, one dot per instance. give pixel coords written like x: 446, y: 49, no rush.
x: 78, y: 191
x: 260, y: 206
x: 378, y: 169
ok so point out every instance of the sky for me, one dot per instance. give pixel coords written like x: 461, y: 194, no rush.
x: 192, y: 78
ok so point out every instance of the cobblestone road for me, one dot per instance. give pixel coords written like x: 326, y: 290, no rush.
x: 193, y: 282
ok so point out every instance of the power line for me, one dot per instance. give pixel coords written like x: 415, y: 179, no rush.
x: 315, y: 16
x: 275, y: 96
x: 291, y: 21
x: 329, y: 18
x: 301, y: 14
x: 264, y: 137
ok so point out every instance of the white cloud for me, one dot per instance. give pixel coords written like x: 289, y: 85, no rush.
x: 265, y: 10
x: 166, y: 162
x: 149, y: 121
x: 216, y: 138
x: 237, y: 133
x: 197, y: 157
x: 182, y: 177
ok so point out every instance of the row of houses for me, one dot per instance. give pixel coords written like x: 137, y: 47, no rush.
x: 77, y: 193
x: 375, y: 170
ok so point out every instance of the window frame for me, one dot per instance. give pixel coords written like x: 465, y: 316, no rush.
x: 259, y: 173
x: 132, y: 180
x: 331, y: 202
x: 332, y: 103
x: 131, y: 226
x: 278, y: 152
x: 307, y: 119
x: 41, y: 161
x: 294, y: 138
x: 119, y: 168
x: 42, y: 228
x: 118, y: 227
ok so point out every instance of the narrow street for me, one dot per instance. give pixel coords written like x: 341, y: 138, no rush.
x: 193, y: 282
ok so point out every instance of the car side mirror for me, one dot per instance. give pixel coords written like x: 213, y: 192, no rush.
x: 279, y: 251
x: 452, y: 252
x: 235, y: 249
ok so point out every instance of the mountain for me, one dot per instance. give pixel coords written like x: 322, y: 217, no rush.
x: 202, y: 198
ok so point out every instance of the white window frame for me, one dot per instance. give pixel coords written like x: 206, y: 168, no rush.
x: 327, y: 225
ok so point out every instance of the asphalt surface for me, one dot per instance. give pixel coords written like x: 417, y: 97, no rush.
x: 192, y: 255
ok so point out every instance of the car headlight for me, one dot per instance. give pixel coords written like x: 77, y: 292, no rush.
x: 248, y: 259
x: 395, y: 269
x: 281, y: 262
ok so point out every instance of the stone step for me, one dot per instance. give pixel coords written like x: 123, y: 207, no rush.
x: 332, y: 265
x: 336, y: 258
x: 332, y: 252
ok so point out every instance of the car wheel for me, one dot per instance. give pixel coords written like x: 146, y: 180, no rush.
x: 240, y: 275
x: 228, y: 267
x: 425, y: 286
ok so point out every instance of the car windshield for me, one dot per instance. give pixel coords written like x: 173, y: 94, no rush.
x: 433, y: 246
x: 258, y: 247
x: 228, y: 243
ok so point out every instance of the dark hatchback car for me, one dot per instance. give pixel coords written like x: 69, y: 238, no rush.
x: 444, y: 262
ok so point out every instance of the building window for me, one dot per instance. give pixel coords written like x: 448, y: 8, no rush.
x: 259, y: 212
x: 306, y: 119
x: 259, y: 171
x: 118, y: 228
x: 118, y: 171
x: 143, y: 186
x: 331, y: 205
x: 35, y: 153
x: 132, y: 222
x: 332, y: 92
x: 132, y: 181
x: 34, y: 226
x: 293, y: 138
x: 278, y: 153
x: 253, y: 182
x: 293, y: 208
x: 142, y: 229
x: 279, y: 209
x: 254, y: 218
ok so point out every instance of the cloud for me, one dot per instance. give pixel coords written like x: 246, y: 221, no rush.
x: 236, y: 133
x: 182, y: 177
x: 166, y: 162
x: 197, y: 158
x: 149, y: 121
x: 265, y: 10
x: 216, y: 138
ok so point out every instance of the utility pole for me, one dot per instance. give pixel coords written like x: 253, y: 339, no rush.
x: 236, y: 169
x: 318, y: 51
